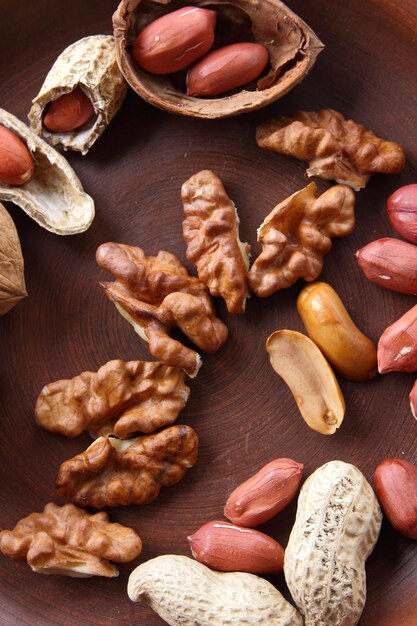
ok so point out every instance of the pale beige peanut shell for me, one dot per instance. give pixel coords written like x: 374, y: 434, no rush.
x: 186, y: 593
x: 90, y: 64
x: 337, y: 525
x: 53, y: 196
x: 310, y: 378
x: 12, y: 278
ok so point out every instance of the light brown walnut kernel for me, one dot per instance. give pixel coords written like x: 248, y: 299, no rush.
x: 335, y: 148
x: 114, y: 472
x: 297, y: 234
x: 211, y: 232
x: 155, y: 295
x: 122, y: 398
x: 69, y: 541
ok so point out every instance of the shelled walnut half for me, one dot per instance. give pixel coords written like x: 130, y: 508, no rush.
x: 115, y: 472
x: 335, y: 148
x: 156, y: 294
x: 211, y: 232
x: 69, y: 541
x: 122, y: 398
x: 297, y: 234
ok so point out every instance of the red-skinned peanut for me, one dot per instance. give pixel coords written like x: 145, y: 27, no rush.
x: 396, y: 488
x: 402, y: 212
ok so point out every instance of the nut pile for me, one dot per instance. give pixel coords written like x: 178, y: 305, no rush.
x: 338, y: 515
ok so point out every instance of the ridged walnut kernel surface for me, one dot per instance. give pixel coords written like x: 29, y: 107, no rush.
x: 115, y: 472
x: 291, y: 44
x: 211, y: 233
x: 12, y: 277
x: 122, y: 398
x: 297, y: 234
x: 69, y: 541
x: 335, y: 148
x: 156, y: 294
x: 90, y: 64
x: 186, y: 593
x: 337, y: 525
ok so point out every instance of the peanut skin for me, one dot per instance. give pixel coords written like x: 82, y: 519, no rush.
x: 333, y: 331
x: 228, y: 548
x: 16, y: 163
x: 396, y: 488
x: 226, y: 68
x: 390, y: 263
x: 68, y: 112
x: 175, y: 40
x: 397, y: 347
x: 265, y: 494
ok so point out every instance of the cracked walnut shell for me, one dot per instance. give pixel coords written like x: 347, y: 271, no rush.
x: 115, y: 472
x: 12, y: 278
x: 292, y: 46
x: 335, y: 148
x: 156, y: 294
x: 297, y: 234
x: 122, y: 398
x: 90, y: 64
x: 211, y: 232
x: 69, y: 541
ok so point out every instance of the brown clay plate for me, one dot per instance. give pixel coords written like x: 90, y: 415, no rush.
x: 244, y: 415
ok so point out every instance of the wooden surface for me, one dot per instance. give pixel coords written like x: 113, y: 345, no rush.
x: 244, y: 415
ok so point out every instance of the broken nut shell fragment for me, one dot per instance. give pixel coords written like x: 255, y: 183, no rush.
x: 99, y: 79
x: 53, y: 196
x: 310, y: 378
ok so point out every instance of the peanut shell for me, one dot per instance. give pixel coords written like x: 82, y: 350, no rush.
x: 53, y: 196
x: 90, y: 64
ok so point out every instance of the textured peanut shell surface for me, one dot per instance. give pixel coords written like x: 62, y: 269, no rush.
x: 337, y: 525
x: 292, y: 46
x: 53, y: 196
x: 90, y: 64
x: 12, y: 278
x: 186, y: 593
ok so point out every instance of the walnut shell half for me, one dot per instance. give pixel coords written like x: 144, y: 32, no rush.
x: 292, y: 46
x: 53, y: 196
x: 12, y: 278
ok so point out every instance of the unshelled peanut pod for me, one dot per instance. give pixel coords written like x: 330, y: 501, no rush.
x: 228, y: 548
x: 390, y: 263
x: 396, y: 488
x: 186, y: 593
x: 337, y: 525
x: 175, y: 40
x: 310, y: 378
x: 226, y: 68
x: 402, y: 212
x: 265, y: 494
x: 397, y: 347
x: 329, y: 325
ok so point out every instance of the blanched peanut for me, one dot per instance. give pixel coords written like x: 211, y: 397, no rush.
x: 333, y: 331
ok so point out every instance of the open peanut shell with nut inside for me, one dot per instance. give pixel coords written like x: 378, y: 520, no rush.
x: 292, y: 46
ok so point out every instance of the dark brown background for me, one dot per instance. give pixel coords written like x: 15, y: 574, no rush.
x: 243, y: 413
